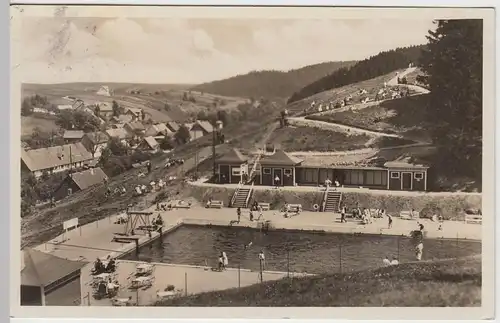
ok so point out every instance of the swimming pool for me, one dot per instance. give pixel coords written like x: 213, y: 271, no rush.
x: 297, y: 251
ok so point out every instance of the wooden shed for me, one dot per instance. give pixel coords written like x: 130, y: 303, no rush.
x: 404, y: 176
x: 231, y: 166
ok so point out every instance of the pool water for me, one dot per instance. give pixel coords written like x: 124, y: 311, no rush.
x: 298, y: 251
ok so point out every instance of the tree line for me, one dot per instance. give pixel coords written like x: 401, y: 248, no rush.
x: 380, y: 64
x: 270, y: 84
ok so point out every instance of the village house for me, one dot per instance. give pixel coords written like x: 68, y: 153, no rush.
x: 95, y: 142
x: 158, y: 131
x: 49, y: 280
x: 78, y: 104
x: 73, y: 136
x: 120, y: 134
x: 135, y: 128
x: 134, y: 113
x: 54, y: 159
x: 200, y: 129
x: 105, y: 110
x: 367, y: 171
x: 122, y: 119
x: 79, y: 181
x: 172, y: 126
x: 62, y: 107
x: 149, y: 144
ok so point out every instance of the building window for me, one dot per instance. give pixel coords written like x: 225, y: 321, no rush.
x: 395, y: 175
x: 267, y: 171
x: 287, y: 172
x: 418, y: 176
x: 236, y: 171
x: 354, y: 177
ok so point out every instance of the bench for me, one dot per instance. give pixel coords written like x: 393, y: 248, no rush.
x: 265, y: 206
x: 181, y: 206
x: 406, y: 215
x: 215, y: 205
x: 295, y: 207
x: 476, y: 219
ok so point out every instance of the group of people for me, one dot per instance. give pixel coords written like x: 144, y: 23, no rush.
x: 100, y: 267
x: 328, y: 183
x: 254, y: 208
x: 223, y: 260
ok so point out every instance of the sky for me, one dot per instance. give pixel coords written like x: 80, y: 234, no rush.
x: 167, y: 50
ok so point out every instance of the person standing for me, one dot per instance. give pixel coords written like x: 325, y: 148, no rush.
x: 389, y: 218
x: 238, y: 212
x: 277, y: 181
x: 386, y: 261
x: 260, y: 213
x: 251, y: 215
x: 342, y: 214
x: 262, y: 260
x: 225, y: 260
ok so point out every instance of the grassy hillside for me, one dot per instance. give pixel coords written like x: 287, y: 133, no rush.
x: 374, y: 66
x: 162, y: 102
x: 427, y: 284
x: 29, y: 123
x: 271, y: 84
x: 405, y: 116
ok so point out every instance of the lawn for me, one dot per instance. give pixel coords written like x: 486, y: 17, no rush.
x: 316, y: 139
x: 31, y: 122
x: 453, y: 283
x: 405, y: 116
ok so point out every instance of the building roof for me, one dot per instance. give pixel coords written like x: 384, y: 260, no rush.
x: 89, y: 177
x: 122, y: 118
x: 41, y: 269
x: 204, y: 125
x: 173, y: 126
x: 280, y: 158
x: 135, y: 125
x: 65, y: 107
x: 403, y: 164
x: 234, y: 156
x: 119, y: 133
x: 98, y: 137
x: 156, y: 129
x: 105, y: 107
x: 45, y: 158
x: 151, y: 142
x: 73, y: 134
x: 135, y: 111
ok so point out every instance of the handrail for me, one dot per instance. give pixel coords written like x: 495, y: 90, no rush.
x: 325, y: 197
x: 254, y: 166
x: 236, y: 192
x: 248, y: 196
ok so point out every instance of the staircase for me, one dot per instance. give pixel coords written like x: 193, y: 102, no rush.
x: 241, y: 197
x: 332, y: 201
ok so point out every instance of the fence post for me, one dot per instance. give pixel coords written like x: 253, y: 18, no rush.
x: 239, y: 275
x: 288, y: 262
x: 261, y: 269
x: 340, y: 254
x: 88, y: 298
x: 456, y: 245
x: 80, y: 227
x: 185, y: 283
x: 137, y: 297
x: 399, y: 237
x: 97, y: 223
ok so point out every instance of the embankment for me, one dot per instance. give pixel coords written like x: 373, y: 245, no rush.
x: 451, y: 206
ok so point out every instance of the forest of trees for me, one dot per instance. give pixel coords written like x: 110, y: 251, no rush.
x: 270, y: 84
x: 453, y: 63
x: 369, y: 68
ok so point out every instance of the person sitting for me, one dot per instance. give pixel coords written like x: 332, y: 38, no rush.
x: 208, y: 203
x: 386, y: 261
x: 98, y: 266
x: 394, y: 261
x: 337, y: 183
x: 111, y: 265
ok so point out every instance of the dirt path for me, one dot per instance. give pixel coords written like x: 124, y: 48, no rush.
x: 340, y: 127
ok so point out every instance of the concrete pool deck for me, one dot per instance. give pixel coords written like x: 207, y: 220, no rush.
x: 95, y: 239
x: 187, y: 279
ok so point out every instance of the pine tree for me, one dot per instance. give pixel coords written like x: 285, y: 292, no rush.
x: 453, y: 64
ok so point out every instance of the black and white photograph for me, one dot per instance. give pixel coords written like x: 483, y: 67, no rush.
x: 224, y: 157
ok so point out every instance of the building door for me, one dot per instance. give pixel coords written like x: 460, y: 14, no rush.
x: 406, y: 181
x: 224, y: 174
x: 279, y: 173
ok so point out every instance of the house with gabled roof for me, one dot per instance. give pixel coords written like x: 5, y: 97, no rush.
x: 80, y: 181
x: 149, y: 144
x: 135, y: 128
x: 157, y: 130
x: 47, y: 280
x: 172, y: 126
x: 231, y: 166
x: 73, y: 136
x: 119, y: 133
x: 201, y: 128
x: 54, y: 159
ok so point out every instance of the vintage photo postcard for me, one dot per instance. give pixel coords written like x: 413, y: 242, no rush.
x: 313, y: 159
